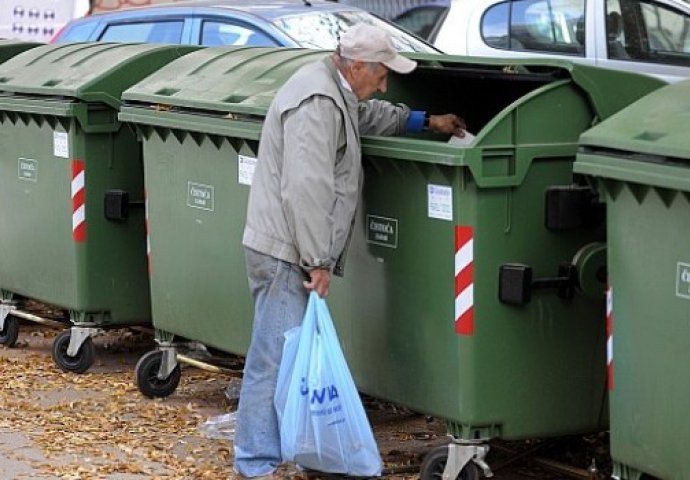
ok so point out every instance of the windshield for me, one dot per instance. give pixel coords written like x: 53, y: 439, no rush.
x: 321, y: 30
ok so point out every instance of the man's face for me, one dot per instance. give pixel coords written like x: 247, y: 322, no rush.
x: 366, y: 80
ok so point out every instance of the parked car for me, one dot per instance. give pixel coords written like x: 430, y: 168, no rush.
x: 422, y: 19
x: 311, y: 24
x: 648, y: 36
x: 390, y: 9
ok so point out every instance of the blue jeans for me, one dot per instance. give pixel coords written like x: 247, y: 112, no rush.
x: 280, y: 301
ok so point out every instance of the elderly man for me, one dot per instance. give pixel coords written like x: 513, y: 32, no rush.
x: 302, y: 205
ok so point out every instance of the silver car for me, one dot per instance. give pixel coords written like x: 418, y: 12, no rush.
x: 648, y: 36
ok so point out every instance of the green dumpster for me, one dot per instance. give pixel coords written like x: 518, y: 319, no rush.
x: 640, y: 162
x: 420, y: 313
x: 71, y: 179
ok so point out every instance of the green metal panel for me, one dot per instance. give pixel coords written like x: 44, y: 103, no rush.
x: 638, y: 160
x: 649, y: 272
x: 196, y: 213
x: 39, y: 257
x: 531, y: 370
x: 56, y: 113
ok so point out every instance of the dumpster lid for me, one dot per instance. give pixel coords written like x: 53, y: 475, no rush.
x: 655, y: 125
x: 92, y: 72
x: 245, y: 80
x: 223, y: 79
x: 10, y: 48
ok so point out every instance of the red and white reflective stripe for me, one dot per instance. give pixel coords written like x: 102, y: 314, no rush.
x: 148, y: 237
x: 78, y: 201
x: 464, y: 281
x: 609, y: 338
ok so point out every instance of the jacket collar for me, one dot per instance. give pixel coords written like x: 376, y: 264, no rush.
x: 350, y: 98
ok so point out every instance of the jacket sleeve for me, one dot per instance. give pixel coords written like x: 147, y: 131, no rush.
x: 379, y: 117
x: 307, y: 182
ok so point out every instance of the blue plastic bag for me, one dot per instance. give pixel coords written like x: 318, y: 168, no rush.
x: 323, y: 425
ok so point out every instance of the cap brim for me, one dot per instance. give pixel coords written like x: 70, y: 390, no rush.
x: 400, y: 64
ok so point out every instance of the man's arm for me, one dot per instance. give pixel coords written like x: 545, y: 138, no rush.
x: 378, y: 117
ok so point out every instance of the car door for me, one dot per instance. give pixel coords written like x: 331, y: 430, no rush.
x: 422, y: 20
x: 234, y: 28
x: 648, y: 36
x: 525, y: 28
x: 150, y: 27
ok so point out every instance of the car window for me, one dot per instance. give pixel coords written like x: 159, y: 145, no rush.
x: 421, y: 20
x: 215, y: 33
x: 168, y: 31
x: 321, y: 30
x: 78, y: 33
x: 648, y: 31
x: 547, y: 26
x: 495, y: 26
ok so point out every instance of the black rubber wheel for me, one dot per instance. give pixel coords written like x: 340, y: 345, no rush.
x: 146, y: 376
x: 435, y: 462
x: 10, y: 333
x: 81, y: 362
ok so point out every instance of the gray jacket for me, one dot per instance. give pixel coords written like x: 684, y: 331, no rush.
x: 309, y: 173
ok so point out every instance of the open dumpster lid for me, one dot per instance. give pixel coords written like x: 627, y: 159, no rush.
x: 245, y: 80
x: 92, y: 72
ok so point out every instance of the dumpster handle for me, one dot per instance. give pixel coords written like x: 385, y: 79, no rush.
x: 515, y: 283
x: 116, y: 205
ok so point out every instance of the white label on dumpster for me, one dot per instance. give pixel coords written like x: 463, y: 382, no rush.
x: 200, y: 196
x: 440, y: 202
x: 60, y: 144
x: 683, y: 280
x: 27, y: 169
x: 245, y: 169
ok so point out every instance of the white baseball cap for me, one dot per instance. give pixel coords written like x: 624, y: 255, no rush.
x: 368, y: 43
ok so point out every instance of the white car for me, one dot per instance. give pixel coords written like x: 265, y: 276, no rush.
x: 648, y: 36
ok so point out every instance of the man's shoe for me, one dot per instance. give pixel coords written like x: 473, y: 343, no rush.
x: 308, y: 474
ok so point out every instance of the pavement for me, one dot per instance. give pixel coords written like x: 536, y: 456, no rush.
x: 97, y: 425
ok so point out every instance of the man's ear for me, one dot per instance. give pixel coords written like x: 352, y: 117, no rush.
x: 357, y: 66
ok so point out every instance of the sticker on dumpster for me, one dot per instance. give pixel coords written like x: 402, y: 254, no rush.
x: 28, y: 169
x: 683, y: 280
x: 200, y: 196
x: 60, y: 144
x: 382, y: 231
x: 440, y: 202
x: 245, y: 169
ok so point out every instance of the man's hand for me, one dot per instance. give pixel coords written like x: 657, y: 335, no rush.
x: 448, y: 123
x: 320, y: 281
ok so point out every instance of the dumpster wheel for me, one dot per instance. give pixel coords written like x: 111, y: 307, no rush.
x: 10, y: 332
x: 435, y: 463
x: 79, y: 363
x: 146, y: 376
